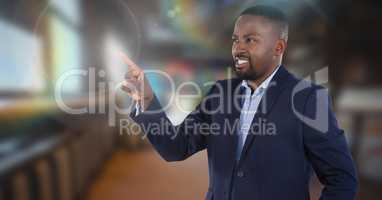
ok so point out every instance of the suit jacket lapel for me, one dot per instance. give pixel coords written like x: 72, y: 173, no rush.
x: 273, y: 91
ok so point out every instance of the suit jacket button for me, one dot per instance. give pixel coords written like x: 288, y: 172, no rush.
x: 240, y: 174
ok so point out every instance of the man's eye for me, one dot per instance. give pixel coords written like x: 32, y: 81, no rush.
x: 234, y: 40
x: 250, y: 40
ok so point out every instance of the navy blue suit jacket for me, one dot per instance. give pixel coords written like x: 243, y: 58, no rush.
x: 288, y: 140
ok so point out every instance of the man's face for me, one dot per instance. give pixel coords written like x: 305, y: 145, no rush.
x: 254, y: 41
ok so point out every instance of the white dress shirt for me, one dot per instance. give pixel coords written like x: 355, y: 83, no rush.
x: 249, y: 108
x: 137, y: 109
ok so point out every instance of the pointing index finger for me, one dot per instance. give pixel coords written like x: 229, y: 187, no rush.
x: 128, y: 61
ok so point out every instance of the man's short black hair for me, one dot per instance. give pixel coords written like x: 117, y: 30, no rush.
x: 272, y: 13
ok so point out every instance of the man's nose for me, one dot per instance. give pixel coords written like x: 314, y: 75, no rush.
x: 241, y: 50
x: 240, y: 47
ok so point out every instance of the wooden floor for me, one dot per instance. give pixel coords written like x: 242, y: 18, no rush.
x: 144, y: 175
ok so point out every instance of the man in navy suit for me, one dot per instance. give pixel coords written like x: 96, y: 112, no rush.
x: 264, y: 131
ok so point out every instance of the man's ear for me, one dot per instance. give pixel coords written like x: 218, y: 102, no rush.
x: 280, y: 47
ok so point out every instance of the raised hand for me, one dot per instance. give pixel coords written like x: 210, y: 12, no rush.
x: 136, y: 84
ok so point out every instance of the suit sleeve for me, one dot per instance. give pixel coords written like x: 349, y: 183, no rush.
x: 327, y: 149
x: 175, y: 143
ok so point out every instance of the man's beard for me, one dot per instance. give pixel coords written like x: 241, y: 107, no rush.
x: 249, y: 74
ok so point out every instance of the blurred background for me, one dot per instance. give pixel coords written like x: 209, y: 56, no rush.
x: 64, y: 54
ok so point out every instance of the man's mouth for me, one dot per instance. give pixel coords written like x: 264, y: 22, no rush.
x: 241, y: 62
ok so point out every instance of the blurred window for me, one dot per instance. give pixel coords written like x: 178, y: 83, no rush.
x: 20, y: 60
x: 64, y: 23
